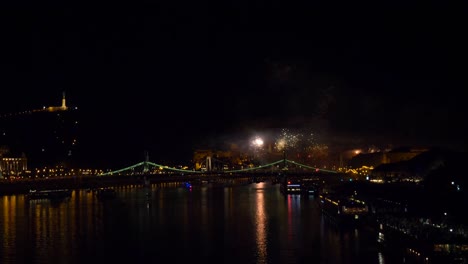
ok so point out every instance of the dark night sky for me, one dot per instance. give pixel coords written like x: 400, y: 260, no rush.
x: 178, y: 76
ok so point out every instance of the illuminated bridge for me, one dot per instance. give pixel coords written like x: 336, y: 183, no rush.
x: 147, y: 172
x: 283, y: 166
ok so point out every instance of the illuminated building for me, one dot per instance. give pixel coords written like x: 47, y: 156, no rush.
x: 62, y: 107
x: 47, y: 136
x: 12, y: 166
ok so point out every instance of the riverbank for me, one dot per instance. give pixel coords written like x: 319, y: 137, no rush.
x: 22, y: 186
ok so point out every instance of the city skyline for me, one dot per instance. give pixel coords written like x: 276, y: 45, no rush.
x: 238, y: 131
x: 241, y: 139
x: 300, y: 145
x: 182, y: 79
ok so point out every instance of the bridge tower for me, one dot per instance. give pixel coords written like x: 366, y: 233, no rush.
x: 208, y: 163
x: 145, y: 163
x: 284, y: 159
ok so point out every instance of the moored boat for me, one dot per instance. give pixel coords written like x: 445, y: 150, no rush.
x: 48, y: 194
x: 291, y: 187
x: 345, y: 210
x: 305, y: 186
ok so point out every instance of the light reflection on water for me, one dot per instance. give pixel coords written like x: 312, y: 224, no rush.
x: 253, y: 223
x: 261, y: 223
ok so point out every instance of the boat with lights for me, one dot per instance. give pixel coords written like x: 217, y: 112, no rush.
x: 299, y: 186
x: 344, y: 210
x: 53, y: 194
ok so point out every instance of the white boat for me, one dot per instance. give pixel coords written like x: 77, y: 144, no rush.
x: 48, y: 194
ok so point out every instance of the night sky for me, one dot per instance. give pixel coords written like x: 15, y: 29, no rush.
x: 171, y: 78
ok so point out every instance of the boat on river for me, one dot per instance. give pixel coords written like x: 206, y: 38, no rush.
x: 299, y: 186
x: 53, y: 194
x: 344, y: 210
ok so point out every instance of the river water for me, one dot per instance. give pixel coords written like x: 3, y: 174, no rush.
x: 173, y: 223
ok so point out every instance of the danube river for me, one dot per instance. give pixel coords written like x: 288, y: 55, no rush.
x: 173, y: 223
